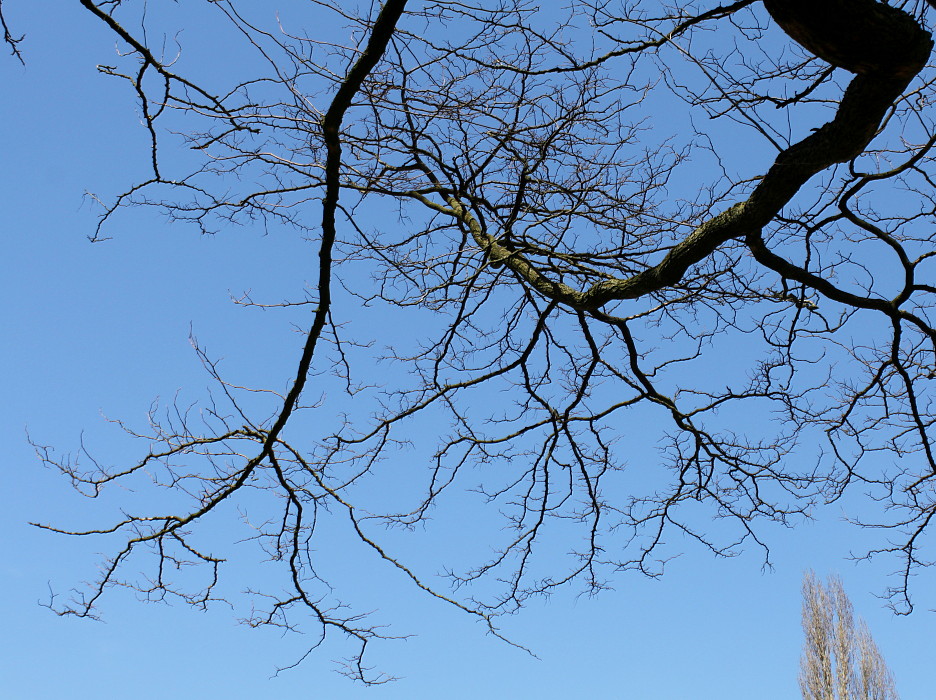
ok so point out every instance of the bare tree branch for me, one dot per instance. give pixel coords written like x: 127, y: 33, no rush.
x: 715, y: 221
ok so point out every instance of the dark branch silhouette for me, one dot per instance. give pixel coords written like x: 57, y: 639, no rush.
x: 755, y: 284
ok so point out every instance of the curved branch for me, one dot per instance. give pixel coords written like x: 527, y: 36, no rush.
x: 869, y: 96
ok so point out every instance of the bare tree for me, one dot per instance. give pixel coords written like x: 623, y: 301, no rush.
x: 840, y: 659
x: 714, y: 219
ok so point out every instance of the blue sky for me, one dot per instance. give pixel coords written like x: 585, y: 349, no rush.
x: 101, y: 330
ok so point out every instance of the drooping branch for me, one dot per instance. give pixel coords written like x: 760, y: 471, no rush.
x: 377, y: 43
x: 10, y: 39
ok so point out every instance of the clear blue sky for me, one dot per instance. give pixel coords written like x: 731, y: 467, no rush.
x: 101, y: 330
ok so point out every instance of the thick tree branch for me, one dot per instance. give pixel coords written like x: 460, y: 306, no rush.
x: 901, y: 49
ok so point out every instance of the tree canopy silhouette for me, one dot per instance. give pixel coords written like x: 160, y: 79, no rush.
x: 614, y: 229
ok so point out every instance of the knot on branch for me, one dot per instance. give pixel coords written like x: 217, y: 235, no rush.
x: 861, y: 36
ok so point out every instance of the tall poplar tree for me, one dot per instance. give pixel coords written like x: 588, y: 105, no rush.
x: 840, y: 659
